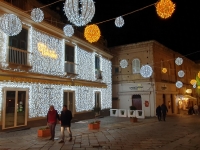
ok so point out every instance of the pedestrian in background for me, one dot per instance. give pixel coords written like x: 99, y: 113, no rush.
x: 164, y: 111
x: 195, y: 107
x: 65, y: 120
x: 52, y: 117
x: 158, y: 112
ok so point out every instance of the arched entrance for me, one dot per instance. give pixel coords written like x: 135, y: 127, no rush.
x: 137, y: 102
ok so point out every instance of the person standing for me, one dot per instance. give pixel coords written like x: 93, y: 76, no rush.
x: 158, y: 113
x: 52, y: 117
x: 195, y: 107
x: 164, y: 111
x: 65, y: 120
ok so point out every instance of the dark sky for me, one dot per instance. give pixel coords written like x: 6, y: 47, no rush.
x: 180, y: 32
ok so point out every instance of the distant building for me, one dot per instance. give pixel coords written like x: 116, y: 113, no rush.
x: 130, y: 88
x: 40, y: 67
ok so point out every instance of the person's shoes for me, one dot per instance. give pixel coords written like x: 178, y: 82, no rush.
x: 70, y: 139
x: 61, y: 141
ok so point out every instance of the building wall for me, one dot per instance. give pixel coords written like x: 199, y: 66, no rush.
x: 158, y: 57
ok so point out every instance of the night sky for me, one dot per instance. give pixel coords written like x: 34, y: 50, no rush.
x: 180, y: 32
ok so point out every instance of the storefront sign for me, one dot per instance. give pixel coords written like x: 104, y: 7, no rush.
x: 138, y: 87
x: 45, y: 51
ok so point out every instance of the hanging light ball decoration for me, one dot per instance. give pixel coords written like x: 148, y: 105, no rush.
x: 179, y: 84
x: 68, y: 30
x: 198, y: 87
x: 193, y: 81
x: 146, y: 71
x: 92, y: 33
x: 165, y: 8
x: 10, y: 24
x: 181, y: 73
x: 194, y: 86
x: 119, y: 22
x: 37, y: 15
x: 79, y: 12
x: 179, y: 61
x: 164, y: 70
x: 123, y: 63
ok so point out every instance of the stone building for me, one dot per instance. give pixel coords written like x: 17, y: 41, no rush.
x: 40, y: 67
x: 130, y: 88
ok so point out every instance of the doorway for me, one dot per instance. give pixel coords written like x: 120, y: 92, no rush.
x: 98, y: 101
x: 137, y: 102
x: 15, y: 108
x: 68, y: 99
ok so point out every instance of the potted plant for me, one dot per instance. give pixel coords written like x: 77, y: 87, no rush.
x: 114, y: 111
x: 44, y: 132
x: 133, y: 119
x: 122, y: 112
x: 95, y: 124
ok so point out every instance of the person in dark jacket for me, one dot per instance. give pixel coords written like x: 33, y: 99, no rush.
x: 158, y: 113
x: 52, y: 117
x: 164, y: 111
x: 65, y: 120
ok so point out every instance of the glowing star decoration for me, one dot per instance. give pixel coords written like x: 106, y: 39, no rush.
x: 92, y: 33
x: 123, y: 63
x: 179, y: 61
x: 164, y: 70
x: 119, y: 21
x: 193, y: 81
x: 179, y: 84
x: 37, y: 15
x: 146, y: 71
x: 68, y: 30
x: 10, y: 24
x: 165, y: 8
x: 181, y: 73
x: 45, y: 51
x: 79, y: 12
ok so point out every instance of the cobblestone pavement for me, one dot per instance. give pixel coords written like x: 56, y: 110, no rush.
x: 180, y: 132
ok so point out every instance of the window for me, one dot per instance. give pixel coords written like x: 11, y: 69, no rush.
x: 97, y: 68
x: 97, y: 63
x: 69, y: 59
x: 18, y: 48
x: 136, y: 65
x: 69, y: 53
x: 116, y: 69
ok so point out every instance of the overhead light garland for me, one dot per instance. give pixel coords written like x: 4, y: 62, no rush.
x: 164, y: 70
x: 10, y: 24
x: 181, y: 73
x: 146, y: 71
x: 123, y: 63
x: 37, y: 15
x: 92, y: 33
x: 79, y: 16
x: 179, y: 61
x: 179, y: 84
x: 119, y: 21
x: 165, y: 8
x: 68, y: 30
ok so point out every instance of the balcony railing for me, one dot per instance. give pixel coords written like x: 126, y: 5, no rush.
x: 70, y: 67
x: 18, y: 56
x: 98, y: 74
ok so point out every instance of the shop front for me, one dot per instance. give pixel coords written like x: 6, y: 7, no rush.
x: 184, y: 103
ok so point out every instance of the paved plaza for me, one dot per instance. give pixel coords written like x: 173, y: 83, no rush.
x: 180, y: 132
